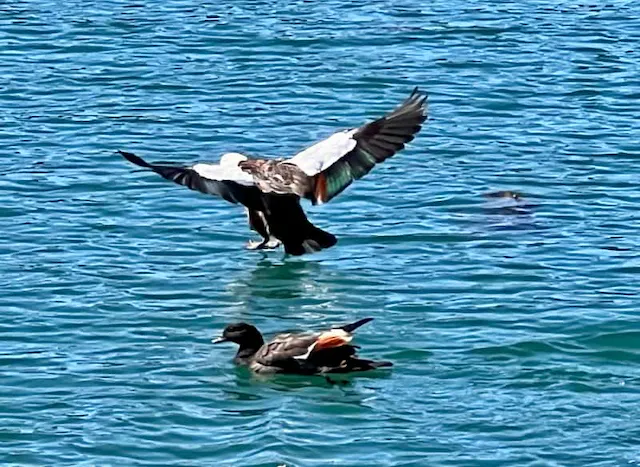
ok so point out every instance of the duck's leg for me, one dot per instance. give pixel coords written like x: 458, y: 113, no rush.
x: 257, y: 222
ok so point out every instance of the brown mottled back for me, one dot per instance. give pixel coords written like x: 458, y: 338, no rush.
x: 276, y: 176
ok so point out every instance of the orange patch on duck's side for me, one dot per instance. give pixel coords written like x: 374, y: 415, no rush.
x: 320, y: 191
x: 327, y: 340
x: 333, y: 338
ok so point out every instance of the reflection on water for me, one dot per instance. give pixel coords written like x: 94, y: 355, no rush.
x: 276, y: 279
x: 352, y: 388
x: 301, y: 289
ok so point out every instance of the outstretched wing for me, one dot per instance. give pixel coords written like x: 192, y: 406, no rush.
x: 227, y: 181
x: 348, y: 155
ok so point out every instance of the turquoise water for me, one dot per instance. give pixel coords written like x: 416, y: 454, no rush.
x: 515, y: 333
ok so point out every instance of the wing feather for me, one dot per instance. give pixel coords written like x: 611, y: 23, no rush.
x: 349, y: 155
x: 283, y: 349
x: 223, y: 180
x: 321, y: 155
x: 310, y: 351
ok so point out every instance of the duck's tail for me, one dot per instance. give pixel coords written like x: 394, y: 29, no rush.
x: 289, y: 224
x: 312, y: 239
x: 353, y: 326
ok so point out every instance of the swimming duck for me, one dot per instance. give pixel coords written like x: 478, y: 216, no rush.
x: 504, y: 194
x: 271, y: 190
x: 306, y: 353
x: 508, y: 202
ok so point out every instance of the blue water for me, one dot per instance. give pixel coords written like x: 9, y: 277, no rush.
x: 515, y: 333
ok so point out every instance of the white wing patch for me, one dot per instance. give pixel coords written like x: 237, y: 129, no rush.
x: 322, y: 155
x: 227, y: 170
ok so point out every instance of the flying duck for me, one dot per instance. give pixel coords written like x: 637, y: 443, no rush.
x: 271, y: 189
x: 304, y: 353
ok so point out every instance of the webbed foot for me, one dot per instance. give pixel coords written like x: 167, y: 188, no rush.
x: 272, y: 243
x: 253, y: 245
x: 266, y: 244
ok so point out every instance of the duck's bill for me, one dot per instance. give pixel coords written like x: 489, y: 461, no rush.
x: 218, y: 340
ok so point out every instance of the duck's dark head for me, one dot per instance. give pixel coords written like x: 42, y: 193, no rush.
x: 243, y: 334
x: 504, y: 194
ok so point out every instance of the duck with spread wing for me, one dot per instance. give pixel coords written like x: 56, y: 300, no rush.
x: 271, y: 189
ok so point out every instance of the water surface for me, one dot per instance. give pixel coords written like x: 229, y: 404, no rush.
x: 514, y: 333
